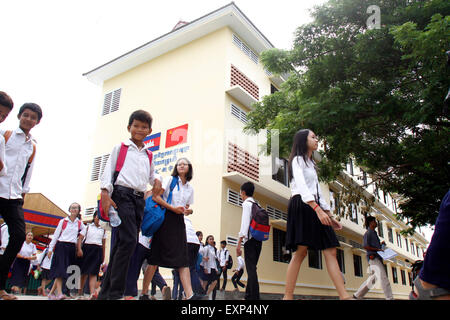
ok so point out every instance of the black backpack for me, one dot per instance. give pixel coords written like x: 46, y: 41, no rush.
x: 230, y: 261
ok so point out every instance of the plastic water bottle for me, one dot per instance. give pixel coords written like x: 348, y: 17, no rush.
x: 114, y: 218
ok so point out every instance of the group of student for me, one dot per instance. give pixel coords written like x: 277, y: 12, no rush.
x: 175, y: 244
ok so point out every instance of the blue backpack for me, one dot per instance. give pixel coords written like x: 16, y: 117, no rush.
x: 154, y: 213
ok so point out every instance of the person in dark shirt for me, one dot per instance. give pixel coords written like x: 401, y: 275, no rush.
x: 377, y: 272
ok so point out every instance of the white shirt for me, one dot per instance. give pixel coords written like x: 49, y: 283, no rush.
x: 305, y: 182
x: 241, y: 263
x: 246, y: 217
x: 145, y: 241
x: 43, y: 259
x: 210, y: 254
x: 18, y: 150
x: 2, y: 155
x: 223, y: 255
x: 95, y: 234
x: 136, y: 172
x: 70, y: 233
x: 5, y: 237
x: 28, y: 249
x: 182, y: 194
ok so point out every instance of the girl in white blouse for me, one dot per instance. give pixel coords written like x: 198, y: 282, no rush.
x: 310, y: 224
x: 21, y: 265
x: 169, y: 244
x: 209, y: 271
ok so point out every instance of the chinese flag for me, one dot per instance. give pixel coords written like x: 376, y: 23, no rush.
x: 176, y: 136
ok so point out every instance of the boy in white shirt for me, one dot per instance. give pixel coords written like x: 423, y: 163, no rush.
x: 126, y: 195
x: 252, y: 246
x: 223, y: 255
x: 19, y: 152
x: 238, y: 272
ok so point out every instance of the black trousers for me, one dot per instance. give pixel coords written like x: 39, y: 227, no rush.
x: 236, y: 279
x: 225, y: 277
x: 252, y: 249
x: 12, y: 213
x: 131, y: 210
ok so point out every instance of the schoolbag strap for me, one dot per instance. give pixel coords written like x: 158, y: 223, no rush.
x: 172, y: 186
x: 7, y: 134
x: 120, y: 161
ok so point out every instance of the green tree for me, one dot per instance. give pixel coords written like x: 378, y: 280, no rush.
x: 375, y: 95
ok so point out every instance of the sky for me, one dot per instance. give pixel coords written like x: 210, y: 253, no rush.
x: 47, y: 45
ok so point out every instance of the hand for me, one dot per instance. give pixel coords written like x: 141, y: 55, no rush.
x: 238, y: 251
x: 178, y: 210
x: 323, y: 217
x: 79, y: 253
x: 336, y: 224
x: 49, y: 254
x: 107, y: 202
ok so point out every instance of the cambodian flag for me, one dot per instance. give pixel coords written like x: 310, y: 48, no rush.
x: 152, y: 142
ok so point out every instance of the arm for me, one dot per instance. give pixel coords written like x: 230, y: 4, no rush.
x: 157, y: 197
x: 26, y: 185
x: 56, y: 235
x: 2, y: 156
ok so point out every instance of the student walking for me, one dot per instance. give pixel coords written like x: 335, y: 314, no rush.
x: 21, y: 265
x: 309, y: 224
x: 93, y: 238
x: 238, y: 272
x: 125, y: 192
x: 19, y: 162
x: 252, y: 247
x: 224, y: 256
x: 63, y: 249
x: 169, y: 245
x: 377, y: 272
x: 208, y: 266
x: 44, y: 265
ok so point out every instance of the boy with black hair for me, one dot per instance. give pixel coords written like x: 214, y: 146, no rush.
x: 6, y: 105
x: 125, y: 192
x: 20, y: 149
x: 223, y: 256
x: 252, y: 247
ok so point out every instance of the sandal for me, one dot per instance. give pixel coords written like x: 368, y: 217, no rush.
x: 426, y: 294
x: 6, y: 296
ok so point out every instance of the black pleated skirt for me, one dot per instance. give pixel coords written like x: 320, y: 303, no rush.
x: 19, y: 272
x: 305, y: 229
x: 92, y: 259
x: 63, y: 257
x: 169, y: 245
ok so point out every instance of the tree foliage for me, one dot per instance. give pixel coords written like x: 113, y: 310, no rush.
x: 375, y: 95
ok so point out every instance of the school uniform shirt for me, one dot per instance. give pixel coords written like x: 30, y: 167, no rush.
x: 28, y: 249
x: 182, y: 194
x: 70, y: 233
x: 241, y: 263
x: 18, y: 150
x: 145, y: 241
x: 245, y: 220
x: 2, y: 155
x: 43, y: 259
x: 210, y: 253
x: 223, y: 256
x: 306, y: 183
x: 93, y: 234
x: 136, y: 172
x: 4, y: 237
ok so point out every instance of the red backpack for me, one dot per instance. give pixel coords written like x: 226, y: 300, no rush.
x: 103, y: 216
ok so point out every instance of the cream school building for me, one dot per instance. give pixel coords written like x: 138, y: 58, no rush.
x: 199, y: 81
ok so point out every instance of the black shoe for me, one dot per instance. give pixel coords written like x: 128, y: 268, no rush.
x: 196, y: 297
x: 144, y: 297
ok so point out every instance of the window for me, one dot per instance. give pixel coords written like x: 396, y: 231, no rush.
x: 280, y: 253
x: 350, y: 166
x: 232, y: 241
x: 417, y: 251
x: 394, y: 275
x: 354, y: 213
x: 340, y: 259
x: 364, y: 178
x: 390, y: 235
x: 111, y: 102
x: 399, y: 239
x: 276, y: 214
x: 357, y: 265
x: 315, y: 259
x: 98, y: 167
x: 234, y: 197
x: 245, y: 49
x: 239, y: 113
x: 334, y: 203
x: 281, y: 167
x: 412, y: 248
x: 380, y: 229
x: 89, y: 211
x: 406, y: 245
x: 403, y: 275
x: 273, y: 89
